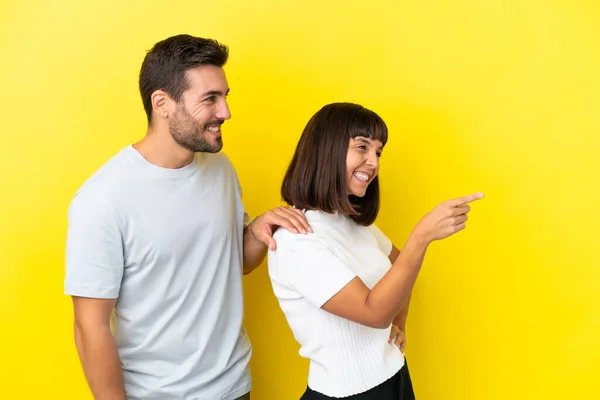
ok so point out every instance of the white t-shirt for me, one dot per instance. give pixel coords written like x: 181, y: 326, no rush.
x: 168, y: 245
x: 346, y: 358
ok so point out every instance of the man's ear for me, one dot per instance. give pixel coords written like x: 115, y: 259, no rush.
x: 160, y: 103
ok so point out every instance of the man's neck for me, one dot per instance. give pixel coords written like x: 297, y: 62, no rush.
x: 160, y: 149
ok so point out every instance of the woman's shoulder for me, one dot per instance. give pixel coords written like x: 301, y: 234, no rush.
x: 287, y: 240
x: 325, y: 227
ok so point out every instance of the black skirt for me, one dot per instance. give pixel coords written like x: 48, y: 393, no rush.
x: 398, y: 387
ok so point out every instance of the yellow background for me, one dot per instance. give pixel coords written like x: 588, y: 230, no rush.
x: 495, y: 96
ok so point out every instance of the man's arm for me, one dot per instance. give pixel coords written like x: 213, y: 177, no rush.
x: 258, y: 235
x: 96, y: 347
x: 94, y: 271
x: 254, y: 250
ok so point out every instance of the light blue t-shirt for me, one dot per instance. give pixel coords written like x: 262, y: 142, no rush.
x: 168, y: 245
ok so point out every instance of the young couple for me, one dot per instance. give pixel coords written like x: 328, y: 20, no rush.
x: 158, y: 240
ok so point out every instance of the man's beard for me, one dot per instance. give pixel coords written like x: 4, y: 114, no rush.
x: 190, y: 135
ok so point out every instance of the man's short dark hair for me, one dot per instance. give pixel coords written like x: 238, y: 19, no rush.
x: 165, y: 65
x: 316, y: 176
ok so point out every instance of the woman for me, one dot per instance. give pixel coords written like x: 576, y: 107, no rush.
x: 344, y: 287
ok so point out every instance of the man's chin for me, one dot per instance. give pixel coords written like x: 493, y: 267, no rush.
x: 216, y: 145
x: 209, y: 144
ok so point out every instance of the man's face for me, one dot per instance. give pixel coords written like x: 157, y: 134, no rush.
x: 202, y: 109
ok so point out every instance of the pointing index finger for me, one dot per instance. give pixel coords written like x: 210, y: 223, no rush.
x: 461, y: 201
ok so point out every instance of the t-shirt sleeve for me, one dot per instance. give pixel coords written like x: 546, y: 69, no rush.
x: 312, y: 269
x: 94, y: 256
x: 247, y: 217
x: 384, y: 244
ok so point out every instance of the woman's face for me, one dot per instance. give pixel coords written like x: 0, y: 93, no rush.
x: 362, y: 164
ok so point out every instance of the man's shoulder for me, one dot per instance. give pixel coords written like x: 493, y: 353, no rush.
x: 109, y: 179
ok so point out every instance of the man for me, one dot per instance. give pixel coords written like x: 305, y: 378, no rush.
x: 158, y: 239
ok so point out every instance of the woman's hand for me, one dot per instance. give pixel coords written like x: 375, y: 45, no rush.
x: 446, y: 219
x: 398, y: 337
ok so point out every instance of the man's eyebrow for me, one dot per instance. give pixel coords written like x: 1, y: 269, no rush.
x: 215, y: 92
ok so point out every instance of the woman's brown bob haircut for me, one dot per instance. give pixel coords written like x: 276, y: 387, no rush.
x: 316, y: 176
